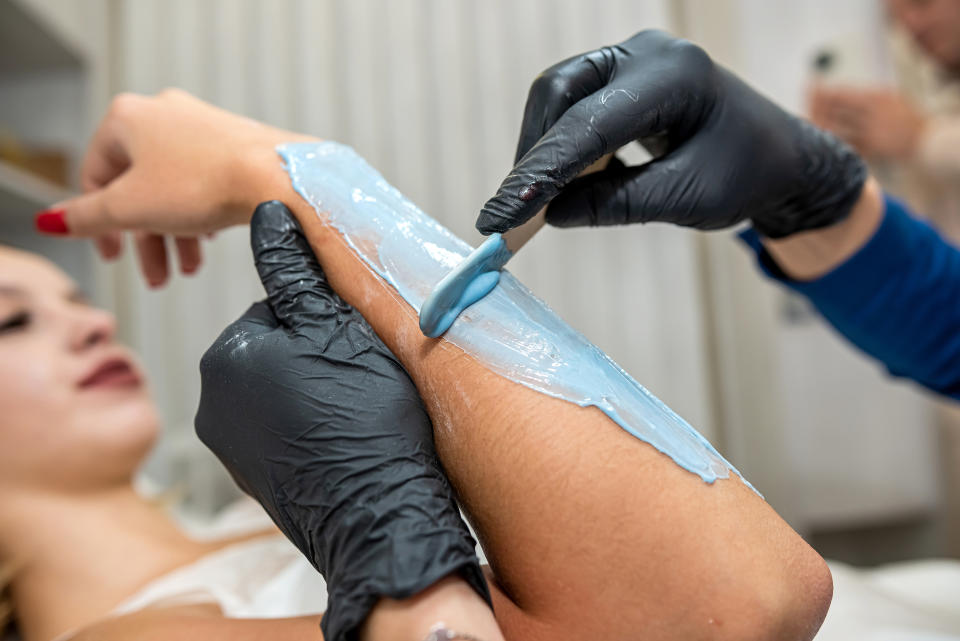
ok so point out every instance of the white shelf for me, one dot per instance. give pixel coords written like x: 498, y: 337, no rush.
x: 22, y: 194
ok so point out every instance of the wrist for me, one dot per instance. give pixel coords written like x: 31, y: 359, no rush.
x: 257, y: 174
x: 809, y: 255
x: 451, y: 601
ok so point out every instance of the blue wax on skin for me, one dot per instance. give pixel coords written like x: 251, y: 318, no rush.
x: 510, y: 331
x: 468, y: 282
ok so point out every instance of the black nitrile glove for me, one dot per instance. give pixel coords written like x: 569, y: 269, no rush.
x: 725, y: 153
x: 315, y: 418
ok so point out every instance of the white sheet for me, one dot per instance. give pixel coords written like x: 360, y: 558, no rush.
x: 914, y: 601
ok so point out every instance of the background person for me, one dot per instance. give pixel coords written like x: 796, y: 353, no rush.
x: 913, y: 130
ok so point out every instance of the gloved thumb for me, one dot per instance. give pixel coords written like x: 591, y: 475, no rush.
x: 296, y: 286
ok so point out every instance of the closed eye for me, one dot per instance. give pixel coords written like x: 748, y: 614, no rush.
x: 16, y: 322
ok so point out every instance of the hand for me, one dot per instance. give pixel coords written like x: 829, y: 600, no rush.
x: 878, y: 123
x: 729, y: 154
x: 315, y: 418
x: 169, y: 164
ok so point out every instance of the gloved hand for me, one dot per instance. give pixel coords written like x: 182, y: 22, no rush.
x: 728, y: 153
x: 315, y: 418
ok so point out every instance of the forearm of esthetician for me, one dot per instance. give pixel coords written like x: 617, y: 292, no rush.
x: 809, y: 255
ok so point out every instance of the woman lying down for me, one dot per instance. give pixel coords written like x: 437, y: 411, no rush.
x: 319, y: 421
x: 93, y: 560
x: 591, y: 532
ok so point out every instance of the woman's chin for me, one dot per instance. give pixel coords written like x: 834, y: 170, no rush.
x: 121, y: 420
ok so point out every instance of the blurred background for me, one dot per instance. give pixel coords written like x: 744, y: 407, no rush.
x: 432, y: 92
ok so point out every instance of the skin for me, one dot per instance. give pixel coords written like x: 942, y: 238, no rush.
x: 51, y: 340
x: 591, y: 533
x: 68, y: 452
x: 880, y: 124
x: 808, y: 256
x: 934, y: 25
x: 540, y: 478
x: 121, y: 179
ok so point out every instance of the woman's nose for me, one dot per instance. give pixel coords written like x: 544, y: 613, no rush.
x: 93, y: 327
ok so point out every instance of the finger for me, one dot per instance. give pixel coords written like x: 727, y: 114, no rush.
x: 849, y: 102
x: 109, y: 245
x: 258, y: 320
x: 596, y: 125
x: 624, y: 195
x: 106, y: 156
x: 189, y: 254
x: 295, y: 283
x: 225, y: 360
x: 99, y: 212
x: 559, y: 88
x: 259, y: 315
x: 152, y: 253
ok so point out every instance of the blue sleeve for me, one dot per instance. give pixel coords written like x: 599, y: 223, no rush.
x: 897, y: 298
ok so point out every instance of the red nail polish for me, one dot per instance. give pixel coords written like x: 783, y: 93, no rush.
x: 52, y: 221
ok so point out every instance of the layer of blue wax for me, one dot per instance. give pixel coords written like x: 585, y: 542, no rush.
x: 510, y: 331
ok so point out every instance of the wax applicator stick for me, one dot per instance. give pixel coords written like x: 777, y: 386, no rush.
x: 478, y: 273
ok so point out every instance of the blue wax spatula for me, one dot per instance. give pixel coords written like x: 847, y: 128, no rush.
x: 479, y: 273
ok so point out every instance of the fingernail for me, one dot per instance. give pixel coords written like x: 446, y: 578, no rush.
x: 52, y: 221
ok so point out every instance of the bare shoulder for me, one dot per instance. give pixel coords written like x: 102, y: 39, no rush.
x: 198, y: 623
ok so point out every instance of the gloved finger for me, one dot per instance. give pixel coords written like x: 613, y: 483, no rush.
x: 559, y: 88
x: 599, y: 124
x: 152, y: 254
x: 259, y: 318
x: 623, y: 195
x: 189, y: 254
x: 223, y: 367
x: 635, y: 107
x: 295, y: 283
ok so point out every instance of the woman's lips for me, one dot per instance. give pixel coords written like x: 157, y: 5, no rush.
x: 115, y: 372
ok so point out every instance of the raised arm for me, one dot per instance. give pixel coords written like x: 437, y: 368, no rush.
x: 590, y: 531
x: 885, y: 280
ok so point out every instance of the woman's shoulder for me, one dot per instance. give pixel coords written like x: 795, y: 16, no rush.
x: 198, y: 621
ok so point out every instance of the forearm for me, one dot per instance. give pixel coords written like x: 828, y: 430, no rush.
x: 809, y: 255
x: 886, y: 281
x: 572, y: 509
